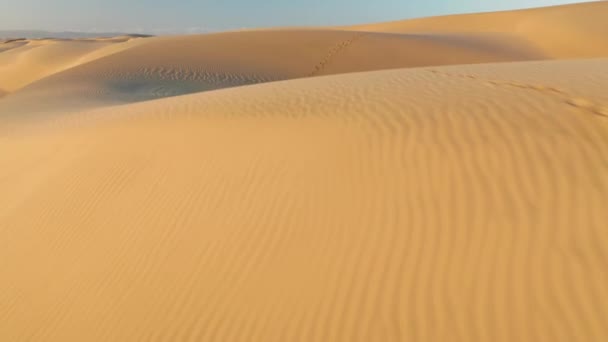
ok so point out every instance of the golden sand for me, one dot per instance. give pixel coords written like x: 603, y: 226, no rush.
x: 440, y: 200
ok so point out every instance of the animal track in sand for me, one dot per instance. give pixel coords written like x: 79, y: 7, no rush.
x: 588, y: 105
x: 575, y: 101
x: 333, y: 52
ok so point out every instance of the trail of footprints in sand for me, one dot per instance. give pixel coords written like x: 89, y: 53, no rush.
x: 572, y: 100
x: 333, y: 52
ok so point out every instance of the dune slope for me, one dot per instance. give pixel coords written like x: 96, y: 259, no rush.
x: 25, y: 61
x: 170, y: 66
x: 567, y: 31
x: 437, y: 204
x: 46, y: 76
x: 9, y: 44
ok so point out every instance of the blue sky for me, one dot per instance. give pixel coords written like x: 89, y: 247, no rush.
x: 179, y: 16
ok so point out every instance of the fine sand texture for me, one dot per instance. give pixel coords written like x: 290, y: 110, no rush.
x: 307, y: 185
x: 461, y: 204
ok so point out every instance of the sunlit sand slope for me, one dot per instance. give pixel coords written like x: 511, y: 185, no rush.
x: 9, y: 44
x: 437, y: 204
x: 61, y: 75
x: 162, y: 67
x: 25, y: 61
x: 569, y: 31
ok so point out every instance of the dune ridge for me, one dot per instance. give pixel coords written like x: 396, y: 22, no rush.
x: 440, y: 179
x: 11, y: 44
x: 25, y: 61
x: 180, y: 65
x: 566, y: 31
x: 170, y: 66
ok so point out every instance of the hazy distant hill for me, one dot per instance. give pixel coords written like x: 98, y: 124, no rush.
x: 66, y: 35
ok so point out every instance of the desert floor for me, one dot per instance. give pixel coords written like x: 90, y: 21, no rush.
x: 437, y: 179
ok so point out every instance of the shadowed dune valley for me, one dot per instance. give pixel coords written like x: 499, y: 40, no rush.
x: 442, y: 178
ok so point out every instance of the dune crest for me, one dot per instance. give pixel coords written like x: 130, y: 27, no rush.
x: 25, y: 61
x: 566, y: 31
x: 170, y: 66
x: 440, y: 179
x: 89, y: 73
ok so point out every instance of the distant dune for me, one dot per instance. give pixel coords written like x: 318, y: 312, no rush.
x: 440, y: 179
x: 29, y: 34
x: 25, y: 62
x: 160, y: 67
x: 568, y: 31
x: 96, y: 73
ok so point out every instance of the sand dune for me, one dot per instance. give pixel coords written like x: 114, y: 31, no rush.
x: 87, y: 73
x: 162, y: 67
x: 25, y: 61
x: 6, y: 45
x: 33, y: 34
x: 435, y: 204
x: 243, y: 187
x: 568, y: 31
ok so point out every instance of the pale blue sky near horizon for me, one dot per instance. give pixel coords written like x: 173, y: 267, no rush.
x: 184, y: 16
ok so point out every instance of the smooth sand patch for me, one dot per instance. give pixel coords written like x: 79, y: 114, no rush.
x: 567, y: 31
x: 24, y: 62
